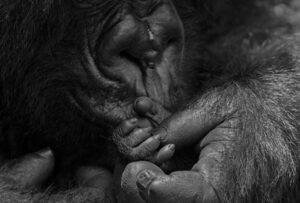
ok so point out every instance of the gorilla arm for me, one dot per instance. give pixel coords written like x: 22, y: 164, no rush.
x: 25, y: 174
x: 246, y: 133
x: 21, y: 179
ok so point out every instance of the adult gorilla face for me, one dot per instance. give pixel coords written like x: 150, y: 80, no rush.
x: 134, y: 49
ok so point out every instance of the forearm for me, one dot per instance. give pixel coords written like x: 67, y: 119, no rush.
x: 74, y: 195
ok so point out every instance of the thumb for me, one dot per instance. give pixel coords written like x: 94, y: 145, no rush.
x: 146, y: 107
x: 31, y: 170
x: 186, y: 127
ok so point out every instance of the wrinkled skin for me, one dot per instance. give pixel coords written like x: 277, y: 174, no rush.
x: 181, y: 130
x: 78, y: 81
x: 156, y: 101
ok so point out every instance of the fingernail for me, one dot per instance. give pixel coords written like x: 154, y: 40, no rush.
x: 171, y: 147
x: 161, y: 134
x: 136, y: 102
x: 46, y: 153
x: 134, y: 121
x: 143, y: 105
x: 157, y: 137
x: 145, y: 178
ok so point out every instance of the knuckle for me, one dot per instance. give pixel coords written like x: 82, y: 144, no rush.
x: 148, y: 149
x: 145, y: 153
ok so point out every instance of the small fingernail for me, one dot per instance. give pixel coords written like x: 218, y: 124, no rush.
x: 143, y: 105
x: 134, y: 121
x: 145, y: 178
x: 137, y: 101
x: 171, y: 147
x: 46, y: 153
x: 157, y: 137
x: 161, y: 134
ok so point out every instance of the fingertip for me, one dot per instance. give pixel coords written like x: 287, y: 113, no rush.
x: 44, y: 163
x: 143, y: 105
x: 46, y: 153
x: 160, y: 133
x: 171, y: 147
x: 47, y: 162
x: 153, y: 189
x: 33, y: 169
x: 144, y: 179
x: 165, y: 153
x: 129, y: 180
x: 126, y: 127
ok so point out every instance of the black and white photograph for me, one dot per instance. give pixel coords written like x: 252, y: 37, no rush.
x: 149, y: 101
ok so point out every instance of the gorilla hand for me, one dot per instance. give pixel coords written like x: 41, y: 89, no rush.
x: 27, y: 172
x: 201, y: 184
x: 134, y: 137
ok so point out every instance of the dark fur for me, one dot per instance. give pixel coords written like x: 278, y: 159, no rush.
x: 235, y: 49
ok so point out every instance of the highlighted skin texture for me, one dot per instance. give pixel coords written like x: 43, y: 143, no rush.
x: 149, y: 101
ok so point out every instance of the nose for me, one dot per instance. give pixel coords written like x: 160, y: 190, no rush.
x: 159, y: 27
x: 147, y: 28
x: 148, y: 47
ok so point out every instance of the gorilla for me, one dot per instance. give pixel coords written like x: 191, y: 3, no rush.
x: 149, y: 101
